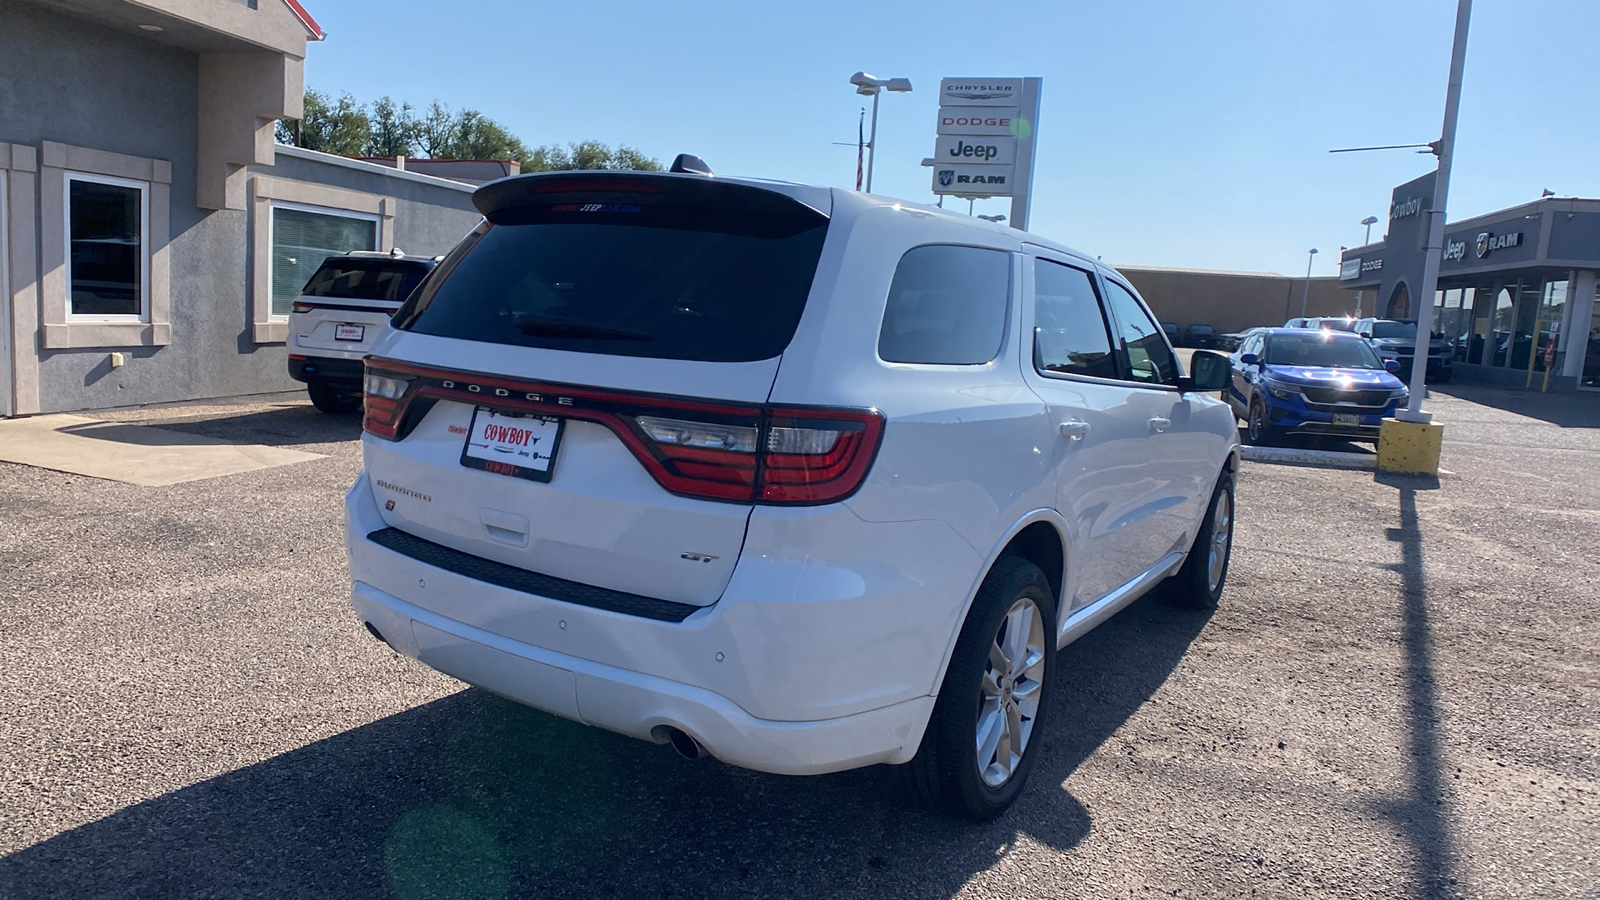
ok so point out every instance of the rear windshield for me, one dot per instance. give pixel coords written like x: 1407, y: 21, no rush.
x: 1394, y: 329
x: 1319, y: 351
x: 629, y: 279
x: 1337, y: 324
x: 361, y: 279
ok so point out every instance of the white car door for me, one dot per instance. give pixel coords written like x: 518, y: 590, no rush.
x: 1098, y: 450
x: 1180, y: 451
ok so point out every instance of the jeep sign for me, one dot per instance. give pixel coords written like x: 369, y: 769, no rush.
x: 985, y: 140
x: 962, y: 148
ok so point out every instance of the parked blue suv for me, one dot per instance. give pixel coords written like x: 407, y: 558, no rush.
x: 1312, y: 381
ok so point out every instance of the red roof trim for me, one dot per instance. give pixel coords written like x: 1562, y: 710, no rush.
x: 306, y: 20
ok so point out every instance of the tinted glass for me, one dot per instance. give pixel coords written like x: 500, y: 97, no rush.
x: 1150, y: 359
x: 1069, y: 328
x: 301, y: 240
x: 1320, y: 351
x: 1336, y: 324
x: 107, y: 249
x: 947, y: 305
x: 1394, y: 329
x: 656, y: 281
x: 358, y: 279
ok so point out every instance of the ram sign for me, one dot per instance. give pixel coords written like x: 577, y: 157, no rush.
x: 984, y: 140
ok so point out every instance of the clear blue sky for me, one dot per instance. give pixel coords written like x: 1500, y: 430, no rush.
x: 1173, y: 132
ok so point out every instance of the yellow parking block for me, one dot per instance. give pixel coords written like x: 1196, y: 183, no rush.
x: 1409, y: 448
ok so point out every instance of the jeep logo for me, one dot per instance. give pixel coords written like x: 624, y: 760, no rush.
x: 984, y: 152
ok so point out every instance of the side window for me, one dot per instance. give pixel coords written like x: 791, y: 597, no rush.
x: 1069, y: 328
x: 947, y: 306
x: 1150, y: 360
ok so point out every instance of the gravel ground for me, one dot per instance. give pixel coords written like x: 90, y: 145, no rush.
x: 1398, y: 698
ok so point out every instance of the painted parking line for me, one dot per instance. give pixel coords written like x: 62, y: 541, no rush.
x: 1294, y: 456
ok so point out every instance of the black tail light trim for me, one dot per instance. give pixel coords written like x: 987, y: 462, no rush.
x: 524, y: 581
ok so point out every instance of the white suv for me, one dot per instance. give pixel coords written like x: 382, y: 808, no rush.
x: 342, y: 309
x: 796, y: 477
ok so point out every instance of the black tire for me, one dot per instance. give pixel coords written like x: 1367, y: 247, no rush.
x: 1442, y: 378
x: 325, y: 398
x: 945, y: 775
x: 1256, y: 430
x: 1193, y: 584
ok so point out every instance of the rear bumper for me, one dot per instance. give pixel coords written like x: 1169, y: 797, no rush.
x: 341, y: 373
x: 637, y: 704
x: 800, y: 668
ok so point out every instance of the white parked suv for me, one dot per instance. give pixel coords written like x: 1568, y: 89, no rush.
x: 342, y: 309
x: 799, y: 478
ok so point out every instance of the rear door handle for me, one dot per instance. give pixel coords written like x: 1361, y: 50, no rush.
x: 1160, y: 423
x: 1074, y: 429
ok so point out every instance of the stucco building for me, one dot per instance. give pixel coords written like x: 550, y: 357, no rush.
x: 152, y: 234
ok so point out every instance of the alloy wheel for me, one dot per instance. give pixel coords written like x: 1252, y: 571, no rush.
x: 1008, y: 699
x: 1221, y: 540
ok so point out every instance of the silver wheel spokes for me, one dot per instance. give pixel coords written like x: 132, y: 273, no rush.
x: 1008, y: 701
x: 1221, y: 532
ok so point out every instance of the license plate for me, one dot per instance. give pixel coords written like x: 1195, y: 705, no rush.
x: 519, y: 446
x: 349, y: 332
x: 1346, y: 419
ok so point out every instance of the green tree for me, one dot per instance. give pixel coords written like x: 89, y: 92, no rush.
x: 394, y: 129
x: 340, y: 127
x: 391, y: 128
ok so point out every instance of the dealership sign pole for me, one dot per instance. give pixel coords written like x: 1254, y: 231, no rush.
x: 1430, y: 267
x: 985, y: 140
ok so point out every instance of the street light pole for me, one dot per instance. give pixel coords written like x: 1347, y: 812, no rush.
x: 1306, y: 294
x: 869, y: 86
x: 872, y: 139
x: 1441, y: 189
x: 1369, y: 221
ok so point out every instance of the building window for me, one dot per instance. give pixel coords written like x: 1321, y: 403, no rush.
x: 107, y: 248
x: 303, y: 237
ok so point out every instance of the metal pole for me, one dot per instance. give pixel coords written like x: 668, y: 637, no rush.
x: 1306, y: 294
x: 1441, y: 189
x: 1368, y: 239
x: 872, y: 142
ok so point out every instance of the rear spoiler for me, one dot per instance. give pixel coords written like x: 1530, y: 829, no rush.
x: 598, y: 191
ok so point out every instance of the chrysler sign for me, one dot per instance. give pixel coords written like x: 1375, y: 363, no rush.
x: 980, y: 91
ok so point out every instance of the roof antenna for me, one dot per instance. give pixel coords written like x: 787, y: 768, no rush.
x: 691, y: 165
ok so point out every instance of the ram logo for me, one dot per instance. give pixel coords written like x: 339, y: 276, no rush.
x: 946, y: 176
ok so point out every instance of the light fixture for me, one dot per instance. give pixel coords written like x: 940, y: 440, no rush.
x: 869, y: 86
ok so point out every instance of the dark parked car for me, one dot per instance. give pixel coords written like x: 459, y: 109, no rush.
x: 1201, y: 336
x: 1396, y: 339
x: 1171, y: 328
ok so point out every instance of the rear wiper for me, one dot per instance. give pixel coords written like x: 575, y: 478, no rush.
x: 533, y: 326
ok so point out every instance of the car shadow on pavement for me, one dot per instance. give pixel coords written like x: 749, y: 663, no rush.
x: 278, y: 426
x: 1420, y: 816
x: 475, y: 796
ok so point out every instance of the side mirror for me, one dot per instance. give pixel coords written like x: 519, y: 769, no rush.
x: 1208, y: 371
x: 1250, y: 359
x: 1392, y: 366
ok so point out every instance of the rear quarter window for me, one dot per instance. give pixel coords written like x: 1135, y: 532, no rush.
x: 947, y: 306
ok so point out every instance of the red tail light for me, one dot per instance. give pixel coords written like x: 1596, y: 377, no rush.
x: 707, y: 450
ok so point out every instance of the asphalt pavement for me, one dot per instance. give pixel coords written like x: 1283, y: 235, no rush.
x: 1397, y: 698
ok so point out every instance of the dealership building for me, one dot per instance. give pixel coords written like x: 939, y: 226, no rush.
x: 152, y: 234
x: 1516, y: 289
